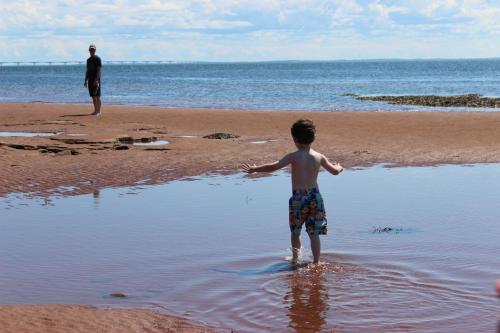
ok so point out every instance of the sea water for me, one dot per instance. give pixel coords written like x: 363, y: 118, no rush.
x: 215, y: 250
x: 288, y: 85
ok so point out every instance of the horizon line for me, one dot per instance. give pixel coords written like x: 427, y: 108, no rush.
x: 138, y: 62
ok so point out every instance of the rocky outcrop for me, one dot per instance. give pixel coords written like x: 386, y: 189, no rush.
x: 221, y: 136
x: 470, y: 100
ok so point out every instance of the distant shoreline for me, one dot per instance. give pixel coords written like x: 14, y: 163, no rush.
x: 80, y: 62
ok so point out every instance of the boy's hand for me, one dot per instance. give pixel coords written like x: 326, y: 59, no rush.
x: 248, y: 168
x: 338, y: 168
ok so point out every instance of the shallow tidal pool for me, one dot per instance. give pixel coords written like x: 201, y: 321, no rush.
x: 408, y: 249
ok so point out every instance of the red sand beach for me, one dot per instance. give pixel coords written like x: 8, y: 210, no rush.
x: 95, y: 159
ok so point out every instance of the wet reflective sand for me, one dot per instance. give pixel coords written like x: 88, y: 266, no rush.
x: 215, y: 250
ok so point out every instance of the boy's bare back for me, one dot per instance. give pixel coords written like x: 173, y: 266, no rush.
x: 306, y: 163
x: 305, y: 167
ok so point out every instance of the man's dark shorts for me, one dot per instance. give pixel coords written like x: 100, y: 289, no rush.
x: 93, y: 91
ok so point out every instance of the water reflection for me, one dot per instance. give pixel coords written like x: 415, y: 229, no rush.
x: 307, y: 299
x: 96, y: 194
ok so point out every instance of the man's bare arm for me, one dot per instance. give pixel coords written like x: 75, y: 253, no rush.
x: 269, y: 167
x: 334, y: 169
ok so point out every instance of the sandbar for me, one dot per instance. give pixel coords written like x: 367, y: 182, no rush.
x: 87, y: 156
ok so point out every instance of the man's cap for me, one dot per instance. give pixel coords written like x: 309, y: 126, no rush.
x: 92, y: 47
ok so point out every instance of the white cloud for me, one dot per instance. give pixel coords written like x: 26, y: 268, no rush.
x: 383, y: 12
x: 250, y: 29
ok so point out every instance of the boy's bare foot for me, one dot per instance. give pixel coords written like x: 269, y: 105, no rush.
x: 95, y: 114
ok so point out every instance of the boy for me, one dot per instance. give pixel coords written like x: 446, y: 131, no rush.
x: 306, y: 203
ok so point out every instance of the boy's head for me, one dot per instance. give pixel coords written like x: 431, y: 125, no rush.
x: 303, y: 131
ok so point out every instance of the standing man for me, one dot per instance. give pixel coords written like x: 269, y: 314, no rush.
x: 93, y: 79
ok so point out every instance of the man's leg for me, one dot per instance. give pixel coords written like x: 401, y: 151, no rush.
x: 98, y: 110
x: 94, y: 101
x: 315, y: 247
x: 295, y: 248
x: 97, y: 105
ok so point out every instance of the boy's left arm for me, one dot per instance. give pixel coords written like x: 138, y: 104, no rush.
x: 334, y: 169
x: 270, y: 167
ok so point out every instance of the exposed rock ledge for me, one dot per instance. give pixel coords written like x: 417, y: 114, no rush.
x: 470, y: 100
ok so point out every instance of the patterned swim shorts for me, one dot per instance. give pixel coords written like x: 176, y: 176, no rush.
x: 306, y: 206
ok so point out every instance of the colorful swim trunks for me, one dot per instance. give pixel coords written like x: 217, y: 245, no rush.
x: 306, y: 206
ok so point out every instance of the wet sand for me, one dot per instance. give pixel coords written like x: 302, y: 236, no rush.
x: 79, y: 318
x: 88, y: 162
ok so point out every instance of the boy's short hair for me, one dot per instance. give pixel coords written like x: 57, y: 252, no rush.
x: 304, y: 131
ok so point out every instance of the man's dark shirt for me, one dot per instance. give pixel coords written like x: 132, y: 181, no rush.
x: 93, y: 64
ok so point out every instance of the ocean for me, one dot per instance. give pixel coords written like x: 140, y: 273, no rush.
x: 287, y: 85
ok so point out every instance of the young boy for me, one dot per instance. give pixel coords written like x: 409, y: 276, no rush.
x: 306, y: 204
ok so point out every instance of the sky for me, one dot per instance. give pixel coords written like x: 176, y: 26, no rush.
x: 248, y: 30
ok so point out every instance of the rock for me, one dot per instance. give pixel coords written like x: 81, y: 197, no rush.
x: 120, y: 148
x: 126, y: 139
x: 146, y: 140
x: 470, y: 100
x: 73, y: 141
x: 80, y: 141
x: 64, y: 153
x: 20, y: 146
x: 118, y: 294
x: 131, y: 140
x: 51, y: 149
x: 221, y: 136
x: 383, y: 229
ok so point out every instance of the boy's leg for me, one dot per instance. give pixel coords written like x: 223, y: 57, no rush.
x: 315, y: 247
x: 295, y: 247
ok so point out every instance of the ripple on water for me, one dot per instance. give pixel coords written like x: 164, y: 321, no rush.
x: 351, y: 292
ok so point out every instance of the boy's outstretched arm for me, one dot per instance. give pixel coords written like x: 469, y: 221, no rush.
x: 270, y: 167
x: 334, y: 169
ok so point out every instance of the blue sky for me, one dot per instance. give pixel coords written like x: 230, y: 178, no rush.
x: 249, y: 30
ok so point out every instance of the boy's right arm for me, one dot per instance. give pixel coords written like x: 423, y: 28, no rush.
x: 334, y: 169
x: 270, y: 167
